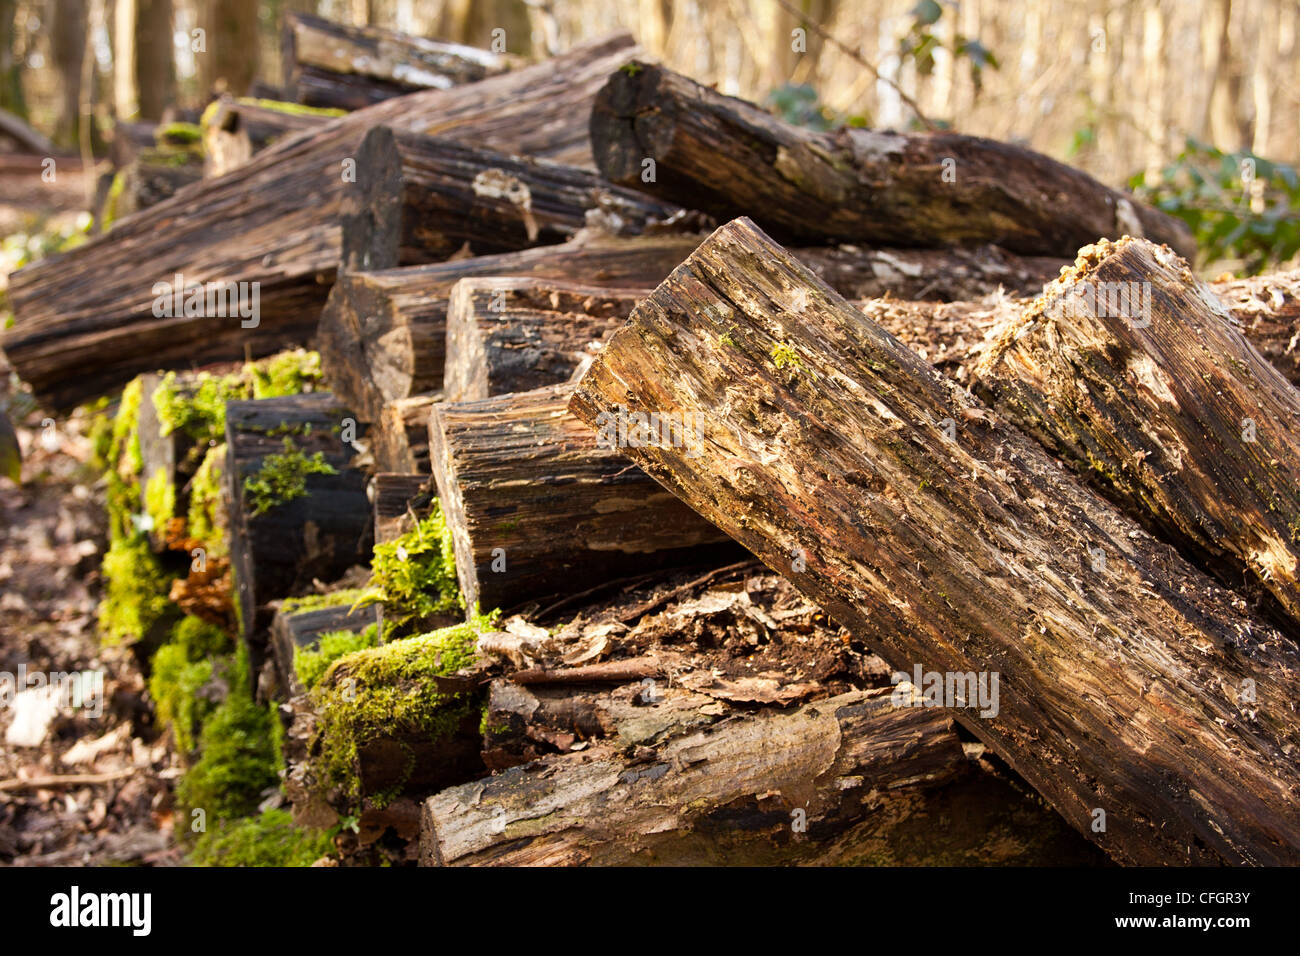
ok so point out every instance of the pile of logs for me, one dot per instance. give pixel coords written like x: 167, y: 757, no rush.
x: 1024, y: 487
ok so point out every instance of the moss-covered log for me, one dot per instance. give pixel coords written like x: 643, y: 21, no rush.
x: 298, y: 628
x: 1139, y: 698
x: 656, y: 130
x: 235, y: 129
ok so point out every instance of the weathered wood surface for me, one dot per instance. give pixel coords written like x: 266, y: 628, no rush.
x: 399, y: 441
x: 946, y: 540
x: 423, y: 199
x: 399, y: 500
x: 351, y: 67
x: 727, y: 157
x: 828, y: 759
x: 84, y: 321
x: 317, y: 536
x: 1130, y: 370
x: 512, y: 334
x: 303, y: 629
x: 537, y: 510
x: 235, y: 129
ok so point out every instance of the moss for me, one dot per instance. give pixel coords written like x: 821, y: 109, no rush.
x: 311, y: 663
x: 160, y: 500
x: 345, y: 597
x: 414, y: 576
x: 135, y: 596
x: 297, y: 109
x: 269, y: 839
x: 287, y: 373
x: 206, y: 518
x: 115, y: 190
x: 180, y: 670
x: 784, y: 356
x: 179, y: 134
x: 391, y: 691
x: 283, y: 478
x: 124, y: 451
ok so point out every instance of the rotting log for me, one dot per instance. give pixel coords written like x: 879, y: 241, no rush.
x: 304, y: 524
x: 537, y: 509
x: 399, y: 500
x: 829, y: 759
x: 513, y: 334
x: 235, y: 129
x: 302, y: 630
x: 84, y: 320
x: 424, y: 199
x: 953, y: 544
x: 350, y: 67
x: 1131, y: 370
x: 399, y: 441
x: 656, y: 130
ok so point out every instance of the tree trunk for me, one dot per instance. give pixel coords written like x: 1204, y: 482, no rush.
x: 515, y: 334
x: 399, y: 500
x: 155, y: 58
x: 399, y: 442
x: 84, y: 320
x: 659, y: 131
x: 333, y: 65
x: 68, y: 47
x: 537, y: 510
x: 1129, y: 371
x: 1153, y: 714
x: 230, y: 59
x: 423, y: 199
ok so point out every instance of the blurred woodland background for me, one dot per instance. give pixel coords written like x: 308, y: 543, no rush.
x: 1195, y: 103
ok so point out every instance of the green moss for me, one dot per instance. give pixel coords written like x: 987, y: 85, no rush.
x: 345, y: 597
x: 160, y: 500
x: 311, y: 663
x: 124, y: 450
x: 179, y: 134
x: 135, y: 595
x: 115, y: 190
x: 391, y: 691
x: 180, y: 670
x: 287, y: 373
x: 414, y: 576
x: 784, y: 356
x: 297, y: 109
x: 269, y: 839
x: 206, y: 519
x: 283, y: 478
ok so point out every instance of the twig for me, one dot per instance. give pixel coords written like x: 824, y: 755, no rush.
x: 64, y: 780
x: 631, y: 669
x: 667, y: 596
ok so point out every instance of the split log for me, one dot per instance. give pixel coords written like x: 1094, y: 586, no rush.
x: 306, y: 525
x: 399, y: 500
x: 235, y: 129
x: 84, y: 321
x: 514, y: 334
x: 383, y: 335
x: 1130, y: 370
x: 828, y: 759
x: 297, y: 630
x: 656, y: 130
x: 954, y: 545
x: 537, y: 509
x: 399, y: 441
x: 349, y: 67
x: 1268, y: 308
x: 423, y: 199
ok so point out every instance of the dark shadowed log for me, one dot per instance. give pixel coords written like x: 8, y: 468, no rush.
x: 422, y: 199
x: 235, y: 129
x: 293, y: 630
x: 152, y: 176
x: 952, y: 544
x: 335, y: 65
x: 1131, y: 370
x: 518, y: 333
x: 399, y: 501
x: 828, y: 759
x: 536, y: 509
x: 399, y: 441
x: 311, y: 526
x: 84, y: 321
x: 727, y: 157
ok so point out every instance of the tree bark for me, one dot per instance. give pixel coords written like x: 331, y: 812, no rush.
x: 1131, y: 371
x: 155, y: 58
x: 952, y: 544
x: 333, y: 65
x: 516, y: 334
x: 537, y: 510
x: 727, y: 157
x: 84, y: 320
x: 230, y: 60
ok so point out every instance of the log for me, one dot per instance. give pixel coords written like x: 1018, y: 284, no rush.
x: 728, y: 157
x: 828, y: 759
x: 84, y: 321
x: 383, y: 334
x: 303, y: 629
x: 153, y: 175
x: 1268, y: 308
x: 1130, y: 370
x: 398, y: 499
x: 350, y: 67
x: 952, y: 544
x: 400, y: 439
x: 537, y: 510
x: 514, y: 334
x: 281, y: 543
x: 423, y: 199
x: 235, y: 129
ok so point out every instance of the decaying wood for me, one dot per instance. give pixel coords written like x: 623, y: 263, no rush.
x: 1268, y: 308
x: 235, y: 129
x: 536, y: 509
x: 423, y: 199
x: 951, y: 543
x: 317, y: 536
x: 1131, y: 370
x: 400, y: 499
x: 399, y: 442
x: 727, y: 157
x: 350, y: 67
x: 828, y: 759
x: 303, y: 629
x: 84, y: 321
x: 513, y: 334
